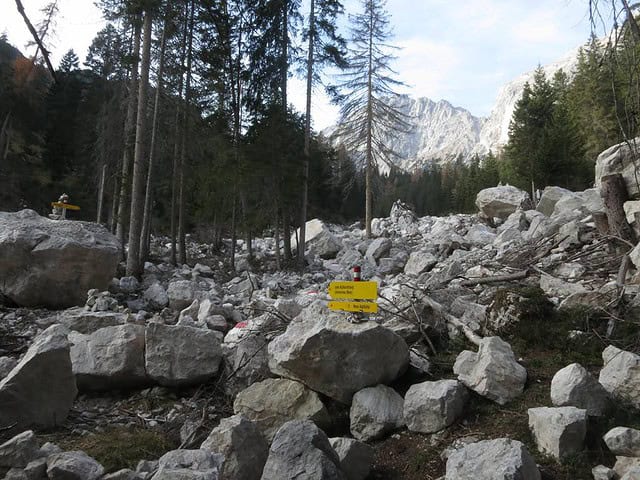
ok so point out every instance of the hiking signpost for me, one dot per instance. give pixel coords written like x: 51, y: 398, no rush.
x: 356, y: 293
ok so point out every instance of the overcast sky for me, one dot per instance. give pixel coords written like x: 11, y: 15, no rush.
x: 460, y: 51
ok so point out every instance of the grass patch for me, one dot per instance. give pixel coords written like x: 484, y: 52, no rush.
x: 123, y: 447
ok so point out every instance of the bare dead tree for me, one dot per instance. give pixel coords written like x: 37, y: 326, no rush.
x: 37, y: 39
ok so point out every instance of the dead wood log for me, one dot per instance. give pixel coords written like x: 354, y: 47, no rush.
x: 436, y: 307
x: 495, y: 279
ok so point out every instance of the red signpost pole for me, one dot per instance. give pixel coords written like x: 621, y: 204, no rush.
x: 356, y: 274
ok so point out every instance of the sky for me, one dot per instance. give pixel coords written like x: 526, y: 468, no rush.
x: 459, y: 51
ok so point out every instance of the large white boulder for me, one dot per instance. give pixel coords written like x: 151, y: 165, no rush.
x: 500, y: 202
x: 558, y: 431
x: 335, y: 357
x: 244, y: 448
x: 575, y: 386
x: 177, y: 355
x: 549, y: 198
x: 621, y: 158
x: 500, y: 459
x: 53, y: 263
x: 375, y: 411
x: 300, y: 450
x: 623, y: 441
x: 312, y: 229
x: 109, y: 358
x: 40, y: 390
x: 273, y: 402
x: 620, y: 375
x: 432, y: 406
x: 493, y: 372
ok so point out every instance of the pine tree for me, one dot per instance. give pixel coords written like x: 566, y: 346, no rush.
x: 366, y: 114
x: 69, y: 62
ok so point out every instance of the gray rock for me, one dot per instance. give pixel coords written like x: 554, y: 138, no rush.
x: 49, y: 263
x: 6, y: 365
x: 301, y: 451
x: 325, y: 245
x: 74, y: 465
x: 500, y: 202
x: 555, y: 287
x: 273, y: 402
x: 109, y: 358
x: 574, y: 386
x: 623, y: 441
x: 601, y: 472
x: 86, y: 321
x: 375, y: 412
x: 190, y: 311
x: 19, y: 451
x: 632, y: 474
x: 128, y: 284
x: 620, y: 375
x: 549, y: 198
x: 355, y: 457
x: 36, y: 469
x: 335, y: 357
x: 177, y: 355
x: 419, y: 262
x: 620, y: 158
x: 189, y: 465
x: 493, y: 372
x: 624, y: 465
x: 157, y: 296
x: 480, y: 235
x: 500, y: 459
x: 558, y: 431
x: 245, y: 355
x: 40, y: 390
x: 244, y: 448
x: 377, y: 249
x: 124, y: 474
x: 432, y: 406
x: 181, y: 294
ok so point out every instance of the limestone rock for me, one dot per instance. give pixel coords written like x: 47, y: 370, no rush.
x: 493, y: 372
x: 336, y: 357
x: 124, y: 474
x: 301, y: 451
x: 432, y: 406
x: 558, y: 431
x: 621, y: 159
x: 245, y: 354
x: 355, y: 457
x: 40, y: 390
x: 157, y: 296
x: 500, y: 459
x: 109, y: 358
x: 6, y: 365
x: 176, y: 355
x: 500, y: 202
x: 181, y: 293
x: 632, y: 474
x: 574, y: 386
x: 620, y: 375
x: 189, y: 465
x: 601, y: 472
x: 377, y: 249
x: 555, y: 287
x: 273, y: 402
x: 86, y: 321
x: 53, y: 263
x: 624, y: 465
x: 74, y: 465
x: 419, y: 262
x: 549, y: 198
x: 623, y: 441
x: 375, y: 411
x: 19, y: 450
x: 244, y: 448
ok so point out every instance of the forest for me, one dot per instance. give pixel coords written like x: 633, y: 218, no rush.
x: 178, y: 120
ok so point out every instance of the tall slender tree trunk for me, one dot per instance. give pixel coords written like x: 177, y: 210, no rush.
x: 276, y: 235
x: 129, y: 140
x: 369, y: 148
x: 115, y: 201
x: 103, y: 179
x: 182, y: 244
x: 232, y: 256
x: 177, y: 145
x: 307, y: 139
x: 286, y: 232
x: 146, y: 222
x: 134, y: 264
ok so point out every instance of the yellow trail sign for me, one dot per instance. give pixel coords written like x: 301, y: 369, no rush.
x: 66, y: 206
x: 364, y: 307
x: 354, y: 290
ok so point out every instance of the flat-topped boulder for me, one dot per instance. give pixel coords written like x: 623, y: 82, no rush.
x: 502, y: 201
x: 53, y: 263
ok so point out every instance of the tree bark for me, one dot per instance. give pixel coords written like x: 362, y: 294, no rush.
x: 614, y: 193
x: 146, y: 222
x: 103, y: 178
x: 307, y: 139
x: 134, y: 264
x: 129, y: 139
x: 369, y: 149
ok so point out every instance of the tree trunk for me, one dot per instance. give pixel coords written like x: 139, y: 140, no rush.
x: 182, y: 245
x: 369, y: 149
x: 134, y: 264
x: 307, y: 139
x: 146, y: 223
x: 232, y: 256
x: 614, y: 193
x: 286, y: 232
x: 129, y: 139
x: 114, y: 204
x: 276, y: 237
x: 103, y: 178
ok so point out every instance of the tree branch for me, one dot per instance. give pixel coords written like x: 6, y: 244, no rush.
x: 45, y: 52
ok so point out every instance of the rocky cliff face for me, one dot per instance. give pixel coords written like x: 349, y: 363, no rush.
x: 443, y: 132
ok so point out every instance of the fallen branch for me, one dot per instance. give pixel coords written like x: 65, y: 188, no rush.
x: 470, y: 282
x: 470, y: 334
x: 34, y: 34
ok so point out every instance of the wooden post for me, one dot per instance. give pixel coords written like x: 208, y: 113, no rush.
x: 614, y: 193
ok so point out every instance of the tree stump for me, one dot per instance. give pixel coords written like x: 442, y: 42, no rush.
x: 614, y: 193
